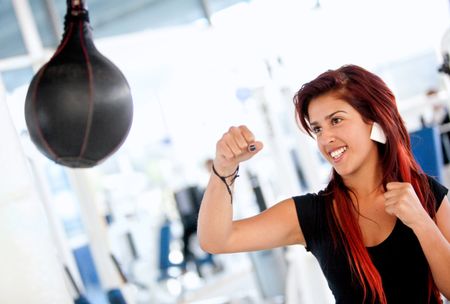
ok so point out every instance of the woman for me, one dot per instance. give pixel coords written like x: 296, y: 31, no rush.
x: 380, y: 229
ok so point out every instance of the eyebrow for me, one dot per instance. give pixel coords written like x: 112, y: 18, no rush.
x: 328, y: 117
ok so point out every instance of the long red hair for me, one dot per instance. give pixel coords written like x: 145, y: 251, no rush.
x: 370, y: 96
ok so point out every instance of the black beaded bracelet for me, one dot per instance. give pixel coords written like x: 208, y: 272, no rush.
x: 224, y: 179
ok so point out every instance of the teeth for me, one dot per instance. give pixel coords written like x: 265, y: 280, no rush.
x: 337, y: 153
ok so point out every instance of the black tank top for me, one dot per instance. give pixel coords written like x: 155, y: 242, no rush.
x: 399, y: 259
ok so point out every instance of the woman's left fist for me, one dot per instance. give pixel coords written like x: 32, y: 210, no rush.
x: 401, y: 200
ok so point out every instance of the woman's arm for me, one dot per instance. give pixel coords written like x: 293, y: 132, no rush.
x: 402, y: 201
x: 217, y: 232
x: 277, y: 226
x: 435, y: 241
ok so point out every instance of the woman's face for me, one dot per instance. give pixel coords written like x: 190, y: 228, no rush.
x: 342, y: 136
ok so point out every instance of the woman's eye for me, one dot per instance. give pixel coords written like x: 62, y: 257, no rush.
x: 335, y: 120
x: 316, y: 130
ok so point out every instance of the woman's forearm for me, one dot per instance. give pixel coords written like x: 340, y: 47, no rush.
x: 215, y: 217
x: 215, y: 220
x: 437, y: 252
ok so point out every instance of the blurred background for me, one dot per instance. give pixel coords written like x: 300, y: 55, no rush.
x: 196, y: 67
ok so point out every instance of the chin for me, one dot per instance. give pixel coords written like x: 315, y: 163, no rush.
x: 343, y: 173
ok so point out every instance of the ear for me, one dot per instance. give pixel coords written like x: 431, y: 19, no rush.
x: 377, y: 134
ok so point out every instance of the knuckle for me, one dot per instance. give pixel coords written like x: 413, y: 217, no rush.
x: 243, y: 128
x: 226, y: 136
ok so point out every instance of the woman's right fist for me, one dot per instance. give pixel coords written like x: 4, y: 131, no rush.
x: 235, y: 146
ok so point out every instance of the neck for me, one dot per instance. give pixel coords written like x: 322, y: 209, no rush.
x: 366, y: 182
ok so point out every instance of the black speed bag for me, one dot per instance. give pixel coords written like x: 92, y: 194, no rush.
x: 78, y: 107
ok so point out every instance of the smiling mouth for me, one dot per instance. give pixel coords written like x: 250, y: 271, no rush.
x: 337, y: 153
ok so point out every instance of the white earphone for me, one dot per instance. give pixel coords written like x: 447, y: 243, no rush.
x: 377, y: 133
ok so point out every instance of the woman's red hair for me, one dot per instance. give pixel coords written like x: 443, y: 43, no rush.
x: 369, y: 95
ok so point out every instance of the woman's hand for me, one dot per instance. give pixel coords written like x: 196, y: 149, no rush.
x: 235, y: 146
x: 401, y: 200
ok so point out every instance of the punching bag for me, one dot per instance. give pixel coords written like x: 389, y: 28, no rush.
x: 78, y: 107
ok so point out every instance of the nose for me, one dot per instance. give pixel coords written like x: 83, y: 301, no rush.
x: 326, y: 137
